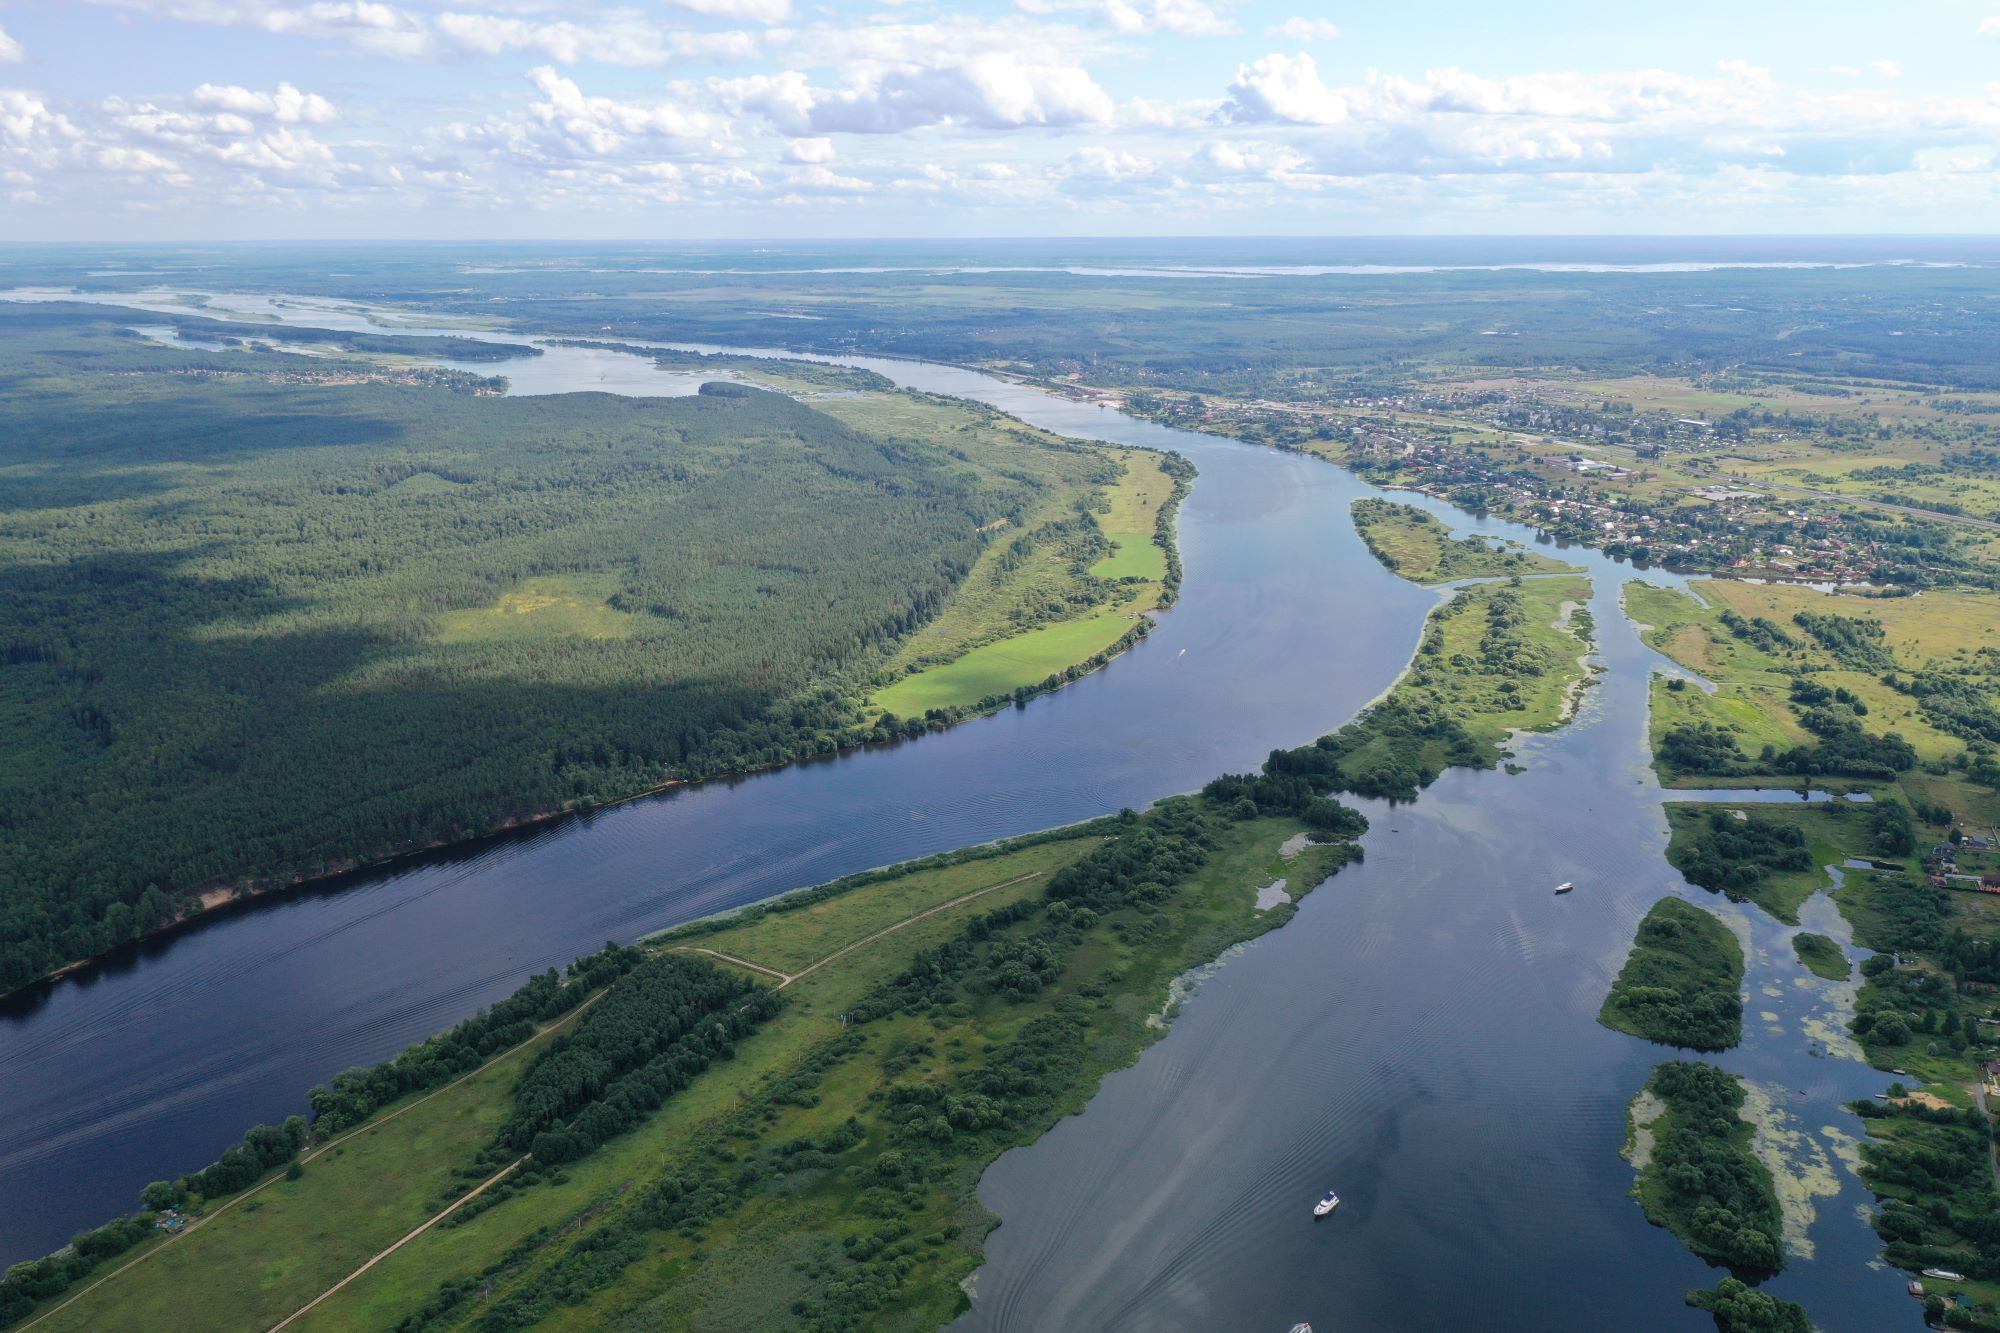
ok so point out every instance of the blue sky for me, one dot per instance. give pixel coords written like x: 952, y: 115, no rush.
x: 195, y: 119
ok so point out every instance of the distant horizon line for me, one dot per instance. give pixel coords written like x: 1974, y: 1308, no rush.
x: 1300, y: 237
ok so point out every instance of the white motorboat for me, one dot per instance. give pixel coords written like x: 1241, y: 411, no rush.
x: 1326, y: 1205
x: 1566, y: 886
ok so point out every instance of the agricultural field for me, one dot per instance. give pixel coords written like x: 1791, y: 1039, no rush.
x: 1924, y: 669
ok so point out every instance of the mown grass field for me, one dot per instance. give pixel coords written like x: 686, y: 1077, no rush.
x: 268, y: 1256
x: 998, y: 668
x: 1129, y: 517
x: 1017, y: 621
x: 1749, y: 698
x: 792, y: 940
x: 1937, y: 626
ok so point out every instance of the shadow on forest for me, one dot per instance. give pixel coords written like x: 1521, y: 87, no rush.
x: 162, y: 754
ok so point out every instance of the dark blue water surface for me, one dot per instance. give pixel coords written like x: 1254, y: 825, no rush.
x: 1421, y: 1036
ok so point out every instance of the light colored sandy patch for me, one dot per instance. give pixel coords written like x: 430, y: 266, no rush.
x: 1272, y: 895
x: 1639, y: 1118
x: 1801, y: 1168
x: 1921, y: 1098
x: 1295, y: 844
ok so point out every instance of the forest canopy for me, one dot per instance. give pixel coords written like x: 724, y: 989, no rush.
x: 260, y: 623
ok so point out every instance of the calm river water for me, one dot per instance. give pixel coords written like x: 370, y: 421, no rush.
x: 1421, y: 1036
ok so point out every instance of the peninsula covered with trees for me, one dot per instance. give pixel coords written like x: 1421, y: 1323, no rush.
x: 268, y: 616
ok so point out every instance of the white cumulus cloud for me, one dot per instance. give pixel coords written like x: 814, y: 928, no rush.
x: 287, y: 105
x: 1282, y: 89
x: 994, y: 91
x: 11, y: 51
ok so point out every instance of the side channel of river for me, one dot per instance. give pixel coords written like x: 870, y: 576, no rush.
x: 1421, y: 1036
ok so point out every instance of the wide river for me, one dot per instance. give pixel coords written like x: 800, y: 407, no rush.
x: 1421, y: 1036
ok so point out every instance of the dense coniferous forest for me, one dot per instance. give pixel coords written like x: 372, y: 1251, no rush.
x: 256, y: 629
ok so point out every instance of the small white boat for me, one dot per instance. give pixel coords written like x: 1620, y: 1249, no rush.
x: 1566, y: 886
x: 1326, y: 1205
x: 1944, y: 1275
x: 1302, y: 1328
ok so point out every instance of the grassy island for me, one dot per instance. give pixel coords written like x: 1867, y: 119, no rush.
x: 1697, y: 1174
x: 1420, y: 547
x: 1821, y: 956
x: 1495, y: 659
x: 1682, y: 982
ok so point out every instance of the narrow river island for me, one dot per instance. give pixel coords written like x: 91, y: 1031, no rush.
x: 1420, y: 1036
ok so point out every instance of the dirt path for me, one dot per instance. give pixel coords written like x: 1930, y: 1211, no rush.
x: 483, y: 1186
x: 784, y: 981
x: 908, y: 921
x: 321, y: 1151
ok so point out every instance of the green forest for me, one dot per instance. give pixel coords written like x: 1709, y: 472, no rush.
x: 1701, y: 1180
x: 255, y: 628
